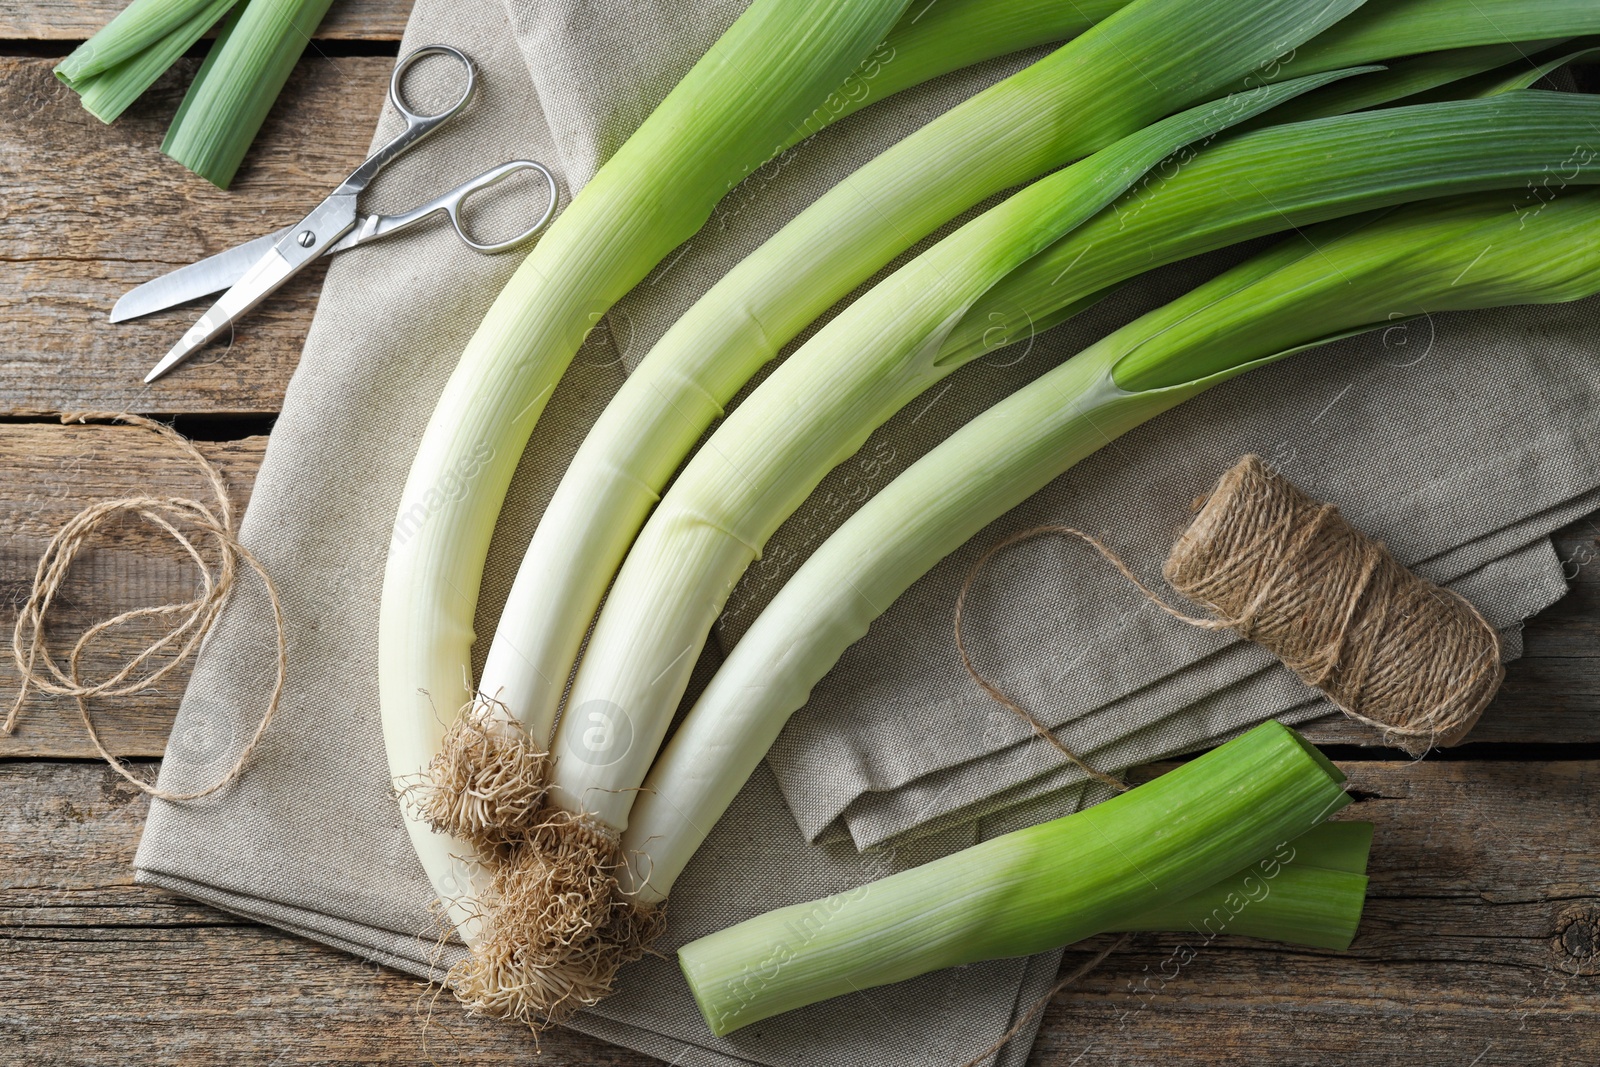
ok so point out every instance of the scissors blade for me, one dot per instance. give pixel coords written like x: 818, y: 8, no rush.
x: 210, y: 275
x: 331, y: 220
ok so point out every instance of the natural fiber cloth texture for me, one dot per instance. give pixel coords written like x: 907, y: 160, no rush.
x: 1437, y: 457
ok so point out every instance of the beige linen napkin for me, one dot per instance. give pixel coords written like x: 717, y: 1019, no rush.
x: 1462, y: 442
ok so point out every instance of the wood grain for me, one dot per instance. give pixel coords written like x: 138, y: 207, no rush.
x: 95, y: 970
x: 51, y: 473
x: 1552, y: 695
x: 1482, y: 931
x: 1479, y: 945
x: 94, y: 210
x: 76, y: 20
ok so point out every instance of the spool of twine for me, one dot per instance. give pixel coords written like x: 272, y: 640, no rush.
x: 1412, y: 659
x: 1392, y: 650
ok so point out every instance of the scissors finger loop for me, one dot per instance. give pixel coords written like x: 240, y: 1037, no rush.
x: 397, y: 93
x: 494, y: 177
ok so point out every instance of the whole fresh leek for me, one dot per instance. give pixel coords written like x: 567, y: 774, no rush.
x: 1144, y: 61
x: 237, y: 84
x: 772, y: 450
x: 1026, y: 891
x: 753, y: 88
x: 1350, y: 275
x: 686, y: 381
x: 110, y: 70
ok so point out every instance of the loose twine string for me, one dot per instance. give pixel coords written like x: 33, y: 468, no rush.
x: 1391, y: 650
x: 192, y: 618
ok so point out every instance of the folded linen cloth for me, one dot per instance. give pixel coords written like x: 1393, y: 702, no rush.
x: 310, y: 839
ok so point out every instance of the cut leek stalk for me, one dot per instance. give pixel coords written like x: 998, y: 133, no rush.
x: 110, y: 70
x: 237, y: 84
x: 1026, y: 891
x: 1308, y: 892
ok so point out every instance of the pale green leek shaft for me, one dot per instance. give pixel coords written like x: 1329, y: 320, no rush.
x: 1026, y: 891
x: 1479, y: 251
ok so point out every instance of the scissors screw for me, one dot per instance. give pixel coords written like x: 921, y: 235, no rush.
x: 306, y: 238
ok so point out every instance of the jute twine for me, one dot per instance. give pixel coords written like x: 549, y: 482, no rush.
x: 1412, y: 659
x: 1416, y: 661
x: 190, y: 619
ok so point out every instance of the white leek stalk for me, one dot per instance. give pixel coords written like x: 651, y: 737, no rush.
x: 748, y: 94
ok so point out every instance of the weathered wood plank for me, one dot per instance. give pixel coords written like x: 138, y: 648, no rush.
x: 104, y: 966
x: 1551, y: 695
x: 49, y: 474
x: 105, y: 211
x: 1480, y: 931
x: 76, y: 20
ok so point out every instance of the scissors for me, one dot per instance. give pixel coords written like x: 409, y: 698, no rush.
x: 254, y: 270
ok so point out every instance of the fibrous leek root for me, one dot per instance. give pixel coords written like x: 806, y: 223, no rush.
x: 486, y: 785
x: 555, y: 926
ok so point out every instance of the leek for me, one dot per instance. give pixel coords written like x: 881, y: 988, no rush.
x: 871, y: 359
x: 1130, y: 69
x: 892, y: 344
x: 110, y: 70
x: 753, y: 88
x: 687, y: 380
x: 935, y: 39
x: 1403, y: 27
x: 1521, y: 73
x: 237, y: 84
x: 1026, y: 891
x: 1476, y: 251
x: 1407, y: 78
x: 1309, y: 892
x: 1298, y: 174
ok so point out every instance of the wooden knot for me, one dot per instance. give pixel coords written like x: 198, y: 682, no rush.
x: 1392, y: 650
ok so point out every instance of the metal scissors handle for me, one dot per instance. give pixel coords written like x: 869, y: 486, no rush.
x: 418, y: 126
x: 372, y: 227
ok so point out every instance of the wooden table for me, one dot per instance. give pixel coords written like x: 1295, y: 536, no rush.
x: 1481, y: 940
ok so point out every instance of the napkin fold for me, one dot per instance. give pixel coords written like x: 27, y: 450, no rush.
x: 896, y: 749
